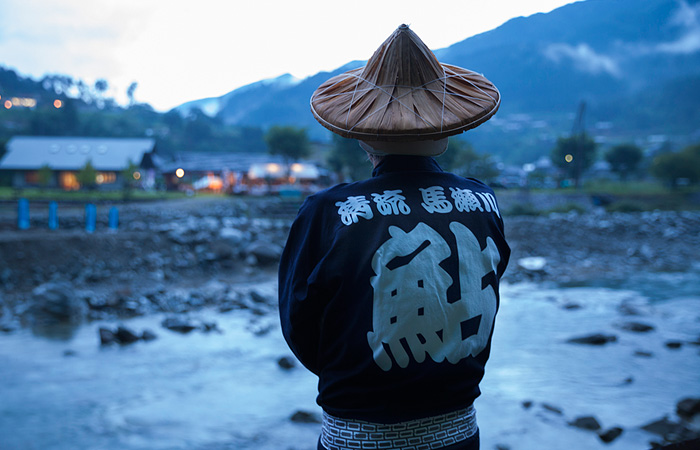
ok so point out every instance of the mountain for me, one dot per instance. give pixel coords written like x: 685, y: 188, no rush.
x: 635, y: 63
x: 237, y: 105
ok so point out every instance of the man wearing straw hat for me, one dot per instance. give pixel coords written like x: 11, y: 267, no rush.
x: 388, y: 287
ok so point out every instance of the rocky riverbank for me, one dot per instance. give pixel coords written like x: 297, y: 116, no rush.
x: 179, y: 255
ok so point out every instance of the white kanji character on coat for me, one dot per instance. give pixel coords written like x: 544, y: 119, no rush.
x: 354, y: 207
x: 410, y: 297
x: 465, y: 200
x: 391, y: 202
x: 434, y: 200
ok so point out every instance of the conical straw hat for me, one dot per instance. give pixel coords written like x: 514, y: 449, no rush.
x: 404, y: 94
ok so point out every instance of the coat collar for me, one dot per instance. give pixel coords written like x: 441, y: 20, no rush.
x: 404, y: 163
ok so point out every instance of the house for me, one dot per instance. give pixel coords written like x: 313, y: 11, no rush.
x: 235, y: 172
x: 26, y: 156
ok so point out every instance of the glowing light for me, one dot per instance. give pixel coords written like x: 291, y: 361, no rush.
x: 179, y: 173
x: 137, y: 175
x: 215, y: 183
x: 568, y: 158
x: 273, y: 168
x: 296, y: 167
x: 23, y: 102
x: 57, y: 103
x: 8, y: 104
x: 106, y: 177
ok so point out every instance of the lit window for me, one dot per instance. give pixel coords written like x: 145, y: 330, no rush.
x: 106, y: 177
x: 69, y: 181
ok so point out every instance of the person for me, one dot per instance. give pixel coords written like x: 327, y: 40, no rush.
x: 389, y: 287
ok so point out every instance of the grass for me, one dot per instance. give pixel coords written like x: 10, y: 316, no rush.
x: 11, y: 194
x: 625, y: 188
x: 614, y: 196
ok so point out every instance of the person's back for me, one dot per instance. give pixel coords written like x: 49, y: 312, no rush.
x: 388, y: 292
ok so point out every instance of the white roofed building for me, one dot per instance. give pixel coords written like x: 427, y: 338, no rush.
x: 66, y: 156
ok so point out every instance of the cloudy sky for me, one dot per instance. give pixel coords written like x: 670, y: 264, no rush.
x: 179, y: 50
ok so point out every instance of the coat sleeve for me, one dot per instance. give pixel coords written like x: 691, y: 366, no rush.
x: 300, y: 305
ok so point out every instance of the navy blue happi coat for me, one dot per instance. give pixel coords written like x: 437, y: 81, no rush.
x: 388, y: 290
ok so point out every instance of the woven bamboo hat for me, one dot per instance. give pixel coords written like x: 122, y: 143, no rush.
x: 404, y: 94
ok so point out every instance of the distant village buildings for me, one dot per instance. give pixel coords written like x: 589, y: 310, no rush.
x: 240, y: 173
x: 237, y: 173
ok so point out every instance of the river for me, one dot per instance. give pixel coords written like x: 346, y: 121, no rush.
x: 59, y: 389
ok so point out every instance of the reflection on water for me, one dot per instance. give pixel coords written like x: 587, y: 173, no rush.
x: 61, y: 390
x: 55, y: 331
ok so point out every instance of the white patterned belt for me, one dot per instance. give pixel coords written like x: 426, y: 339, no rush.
x: 421, y: 434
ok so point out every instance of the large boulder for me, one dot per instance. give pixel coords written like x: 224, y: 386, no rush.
x: 57, y: 301
x: 264, y: 252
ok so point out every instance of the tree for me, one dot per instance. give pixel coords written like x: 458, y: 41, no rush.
x: 128, y: 179
x: 44, y: 175
x: 101, y: 87
x: 130, y: 92
x: 574, y: 155
x: 461, y: 158
x: 87, y: 176
x: 624, y: 159
x: 348, y: 159
x: 289, y: 142
x: 674, y: 167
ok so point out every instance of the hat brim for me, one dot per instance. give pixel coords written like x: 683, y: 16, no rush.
x: 352, y: 107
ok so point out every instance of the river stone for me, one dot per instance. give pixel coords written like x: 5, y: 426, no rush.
x: 610, y: 435
x: 666, y: 428
x: 636, y: 327
x: 305, y: 417
x: 148, y: 335
x: 552, y: 408
x: 532, y: 263
x: 178, y: 324
x: 688, y: 407
x: 233, y: 235
x: 594, y: 339
x: 107, y: 336
x: 265, y: 252
x: 125, y: 336
x: 260, y: 298
x: 286, y: 363
x: 586, y: 423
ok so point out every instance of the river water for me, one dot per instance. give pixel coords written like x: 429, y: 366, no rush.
x: 209, y: 391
